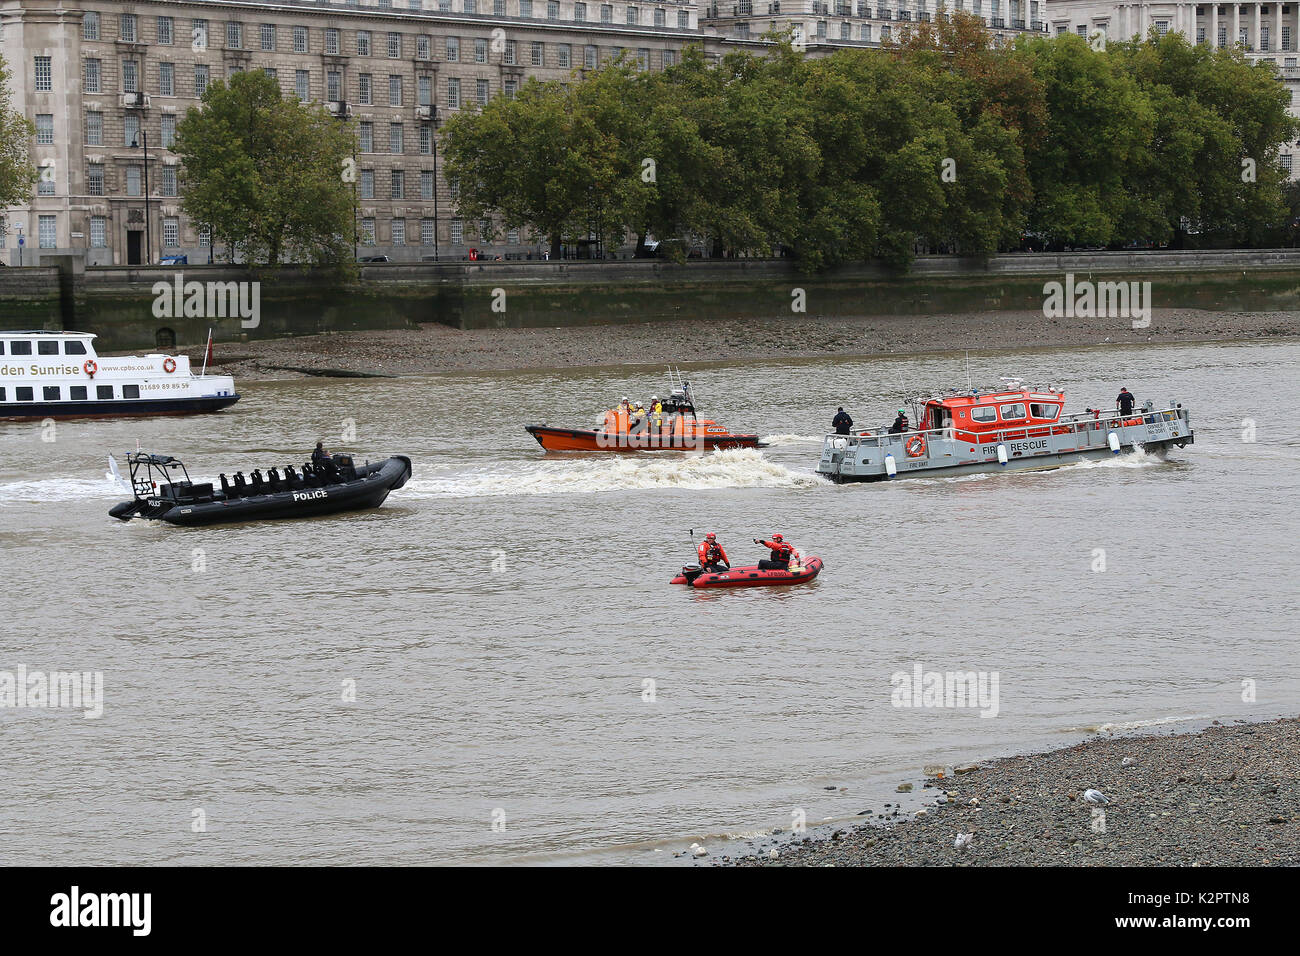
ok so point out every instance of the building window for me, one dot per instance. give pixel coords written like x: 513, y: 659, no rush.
x: 471, y: 6
x: 94, y: 128
x: 91, y: 73
x: 563, y: 53
x: 426, y: 184
x: 670, y: 56
x: 481, y: 92
x: 508, y: 89
x: 166, y: 79
x: 168, y: 129
x: 424, y: 90
x: 426, y: 232
x: 453, y: 93
x: 126, y: 28
x: 580, y: 12
x: 1286, y: 38
x: 453, y: 49
x: 661, y: 18
x: 399, y: 232
x: 98, y: 232
x: 130, y: 129
x: 332, y: 41
x: 44, y: 129
x: 168, y: 186
x: 367, y: 231
x: 367, y: 184
x: 526, y: 8
x: 200, y: 79
x: 426, y: 139
x: 606, y: 13
x: 632, y: 16
x: 94, y: 179
x: 397, y: 185
x: 395, y: 139
x: 394, y: 46
x: 394, y: 91
x: 171, y: 232
x: 363, y: 43
x: 364, y: 89
x: 205, y: 235
x: 133, y: 180
x: 130, y: 76
x: 457, y: 232
x: 536, y: 53
x: 300, y: 39
x: 44, y: 79
x: 302, y: 84
x: 643, y: 59
x: 90, y: 26
x: 333, y: 86
x: 234, y: 35
x: 422, y: 47
x: 499, y: 7
x: 1286, y: 163
x: 165, y: 32
x: 512, y: 237
x: 45, y: 225
x: 480, y: 50
x: 267, y: 33
x: 590, y: 55
x: 199, y: 35
x: 366, y: 137
x: 552, y: 10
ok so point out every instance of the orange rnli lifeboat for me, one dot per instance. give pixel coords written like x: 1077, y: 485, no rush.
x: 669, y: 425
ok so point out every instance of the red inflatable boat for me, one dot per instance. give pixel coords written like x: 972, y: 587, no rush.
x: 749, y: 577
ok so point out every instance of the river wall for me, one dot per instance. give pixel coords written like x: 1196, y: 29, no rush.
x: 125, y: 307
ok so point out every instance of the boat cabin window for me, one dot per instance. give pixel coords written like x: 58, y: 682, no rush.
x: 23, y: 394
x: 2, y: 395
x: 1012, y: 412
x: 74, y: 347
x: 103, y: 391
x: 46, y: 347
x: 984, y: 413
x: 1037, y: 410
x: 77, y: 393
x: 20, y: 348
x: 2, y: 346
x: 51, y: 392
x: 130, y: 391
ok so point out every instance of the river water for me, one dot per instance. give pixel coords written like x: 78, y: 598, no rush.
x: 500, y: 617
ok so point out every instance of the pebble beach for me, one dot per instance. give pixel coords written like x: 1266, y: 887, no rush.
x: 1223, y: 796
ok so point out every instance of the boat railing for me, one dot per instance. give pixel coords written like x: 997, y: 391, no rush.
x: 1069, y: 425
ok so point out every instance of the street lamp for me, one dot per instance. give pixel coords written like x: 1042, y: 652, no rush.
x: 142, y: 139
x: 435, y: 192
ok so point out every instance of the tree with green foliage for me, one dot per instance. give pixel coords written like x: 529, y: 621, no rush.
x: 271, y: 176
x: 17, y: 174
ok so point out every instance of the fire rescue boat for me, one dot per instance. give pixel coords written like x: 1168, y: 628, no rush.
x: 675, y: 428
x: 1006, y: 427
x: 798, y: 573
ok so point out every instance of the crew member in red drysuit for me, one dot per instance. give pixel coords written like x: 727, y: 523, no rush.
x: 782, y: 552
x: 712, y: 555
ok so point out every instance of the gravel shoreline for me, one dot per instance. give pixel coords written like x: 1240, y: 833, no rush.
x: 436, y: 348
x: 1228, y: 795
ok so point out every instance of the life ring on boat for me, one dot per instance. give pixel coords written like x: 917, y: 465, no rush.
x: 90, y: 368
x: 169, y: 365
x: 915, y: 446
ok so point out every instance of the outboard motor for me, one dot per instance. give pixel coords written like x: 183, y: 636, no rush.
x: 691, y: 571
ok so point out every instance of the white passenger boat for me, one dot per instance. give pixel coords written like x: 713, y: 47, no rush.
x: 59, y: 375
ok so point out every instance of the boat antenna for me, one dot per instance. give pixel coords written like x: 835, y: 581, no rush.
x: 968, y: 378
x: 206, y: 352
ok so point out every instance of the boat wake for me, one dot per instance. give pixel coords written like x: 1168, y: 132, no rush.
x: 778, y: 440
x: 724, y: 469
x: 58, y: 489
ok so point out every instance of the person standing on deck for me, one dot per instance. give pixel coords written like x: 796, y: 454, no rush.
x: 900, y: 423
x: 1124, y: 401
x: 842, y: 422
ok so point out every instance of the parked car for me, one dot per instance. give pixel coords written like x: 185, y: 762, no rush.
x: 375, y: 259
x: 174, y: 261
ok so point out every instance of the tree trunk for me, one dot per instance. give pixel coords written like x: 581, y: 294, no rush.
x: 555, y: 245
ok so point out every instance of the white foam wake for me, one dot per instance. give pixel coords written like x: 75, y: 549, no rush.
x: 724, y: 469
x: 778, y: 440
x: 58, y: 489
